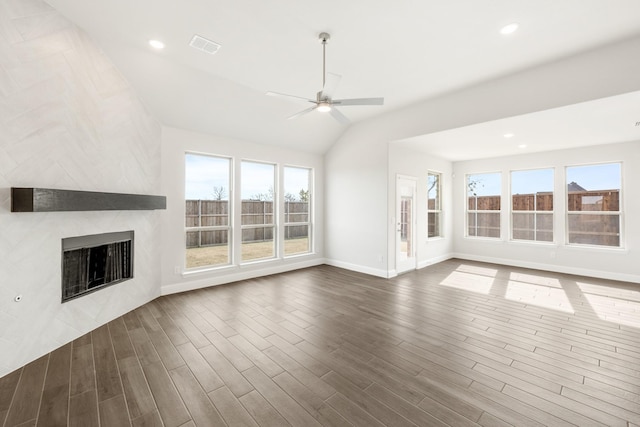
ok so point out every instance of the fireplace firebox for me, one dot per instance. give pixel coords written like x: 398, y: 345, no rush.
x: 94, y: 262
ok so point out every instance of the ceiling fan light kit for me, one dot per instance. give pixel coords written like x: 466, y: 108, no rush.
x: 324, y: 101
x: 324, y: 107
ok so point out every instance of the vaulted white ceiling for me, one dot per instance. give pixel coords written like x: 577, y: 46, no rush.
x: 405, y: 51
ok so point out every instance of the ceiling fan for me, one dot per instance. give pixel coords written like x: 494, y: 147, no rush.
x: 324, y: 101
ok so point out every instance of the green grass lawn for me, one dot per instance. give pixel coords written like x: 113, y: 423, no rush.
x: 218, y: 255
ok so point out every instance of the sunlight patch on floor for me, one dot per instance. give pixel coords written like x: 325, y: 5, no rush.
x: 469, y: 282
x: 477, y: 270
x: 609, y: 291
x: 539, y: 295
x: 621, y: 306
x: 535, y: 279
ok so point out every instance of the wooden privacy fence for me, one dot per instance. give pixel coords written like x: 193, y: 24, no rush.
x: 211, y: 213
x: 593, y: 228
x: 588, y: 229
x: 603, y: 200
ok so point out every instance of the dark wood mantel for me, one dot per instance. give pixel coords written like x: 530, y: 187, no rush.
x: 52, y: 200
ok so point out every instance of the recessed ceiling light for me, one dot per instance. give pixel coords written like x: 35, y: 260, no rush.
x: 508, y: 135
x: 522, y: 146
x: 508, y: 29
x: 156, y: 44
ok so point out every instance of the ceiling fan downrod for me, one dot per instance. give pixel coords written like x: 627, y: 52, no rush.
x: 324, y: 39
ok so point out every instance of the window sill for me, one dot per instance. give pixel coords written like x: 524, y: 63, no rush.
x: 203, y: 270
x: 300, y: 255
x: 246, y: 264
x: 257, y: 261
x: 270, y: 260
x: 534, y: 243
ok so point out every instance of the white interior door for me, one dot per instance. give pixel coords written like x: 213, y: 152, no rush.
x: 405, y: 224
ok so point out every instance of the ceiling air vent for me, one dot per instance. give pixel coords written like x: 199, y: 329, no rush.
x: 637, y: 123
x: 204, y: 45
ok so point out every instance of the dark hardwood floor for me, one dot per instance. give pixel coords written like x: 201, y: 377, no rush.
x: 459, y: 343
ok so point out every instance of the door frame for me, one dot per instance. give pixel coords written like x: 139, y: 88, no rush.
x: 406, y: 184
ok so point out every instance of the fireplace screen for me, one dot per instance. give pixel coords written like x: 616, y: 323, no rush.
x: 93, y: 262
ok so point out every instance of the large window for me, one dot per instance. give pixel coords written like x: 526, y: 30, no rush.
x: 230, y: 221
x: 483, y: 205
x: 532, y: 205
x: 297, y: 199
x: 258, y: 214
x: 207, y: 225
x: 434, y: 204
x: 593, y: 204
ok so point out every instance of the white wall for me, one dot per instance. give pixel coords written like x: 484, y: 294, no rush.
x: 357, y: 169
x: 403, y: 161
x: 356, y: 209
x: 609, y: 263
x: 175, y: 143
x: 67, y: 120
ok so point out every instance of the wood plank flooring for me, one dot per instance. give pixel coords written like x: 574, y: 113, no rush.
x: 458, y: 343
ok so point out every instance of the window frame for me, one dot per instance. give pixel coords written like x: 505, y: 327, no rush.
x: 438, y: 211
x: 479, y: 211
x: 230, y: 214
x: 535, y: 212
x: 619, y: 213
x: 275, y: 214
x: 309, y: 222
x: 234, y: 227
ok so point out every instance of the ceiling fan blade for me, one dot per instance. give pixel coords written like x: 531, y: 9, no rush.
x: 302, y: 113
x: 339, y: 116
x: 358, y: 101
x: 284, y: 95
x: 330, y: 85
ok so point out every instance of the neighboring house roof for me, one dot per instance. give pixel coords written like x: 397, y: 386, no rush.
x: 573, y: 186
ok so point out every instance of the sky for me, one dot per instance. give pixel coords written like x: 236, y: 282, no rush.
x: 591, y: 177
x: 202, y: 173
x: 257, y: 179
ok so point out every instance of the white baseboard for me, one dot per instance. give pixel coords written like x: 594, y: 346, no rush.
x: 552, y: 267
x: 359, y: 268
x: 233, y: 275
x: 384, y: 273
x: 423, y: 264
x: 431, y: 261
